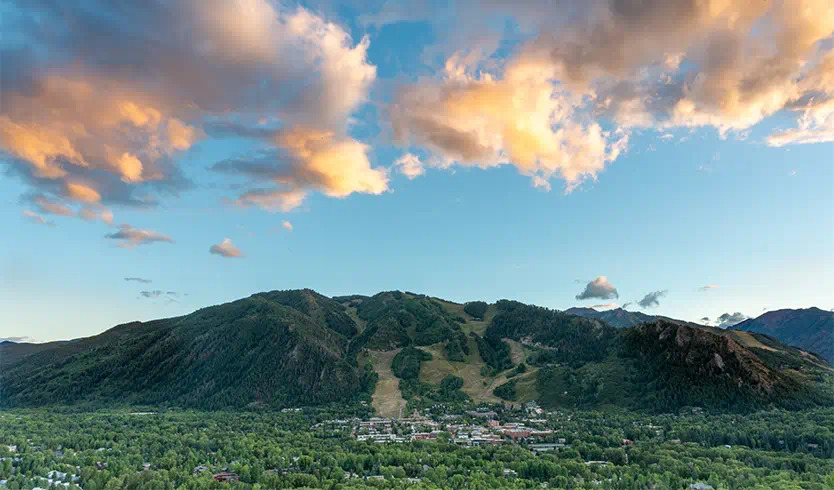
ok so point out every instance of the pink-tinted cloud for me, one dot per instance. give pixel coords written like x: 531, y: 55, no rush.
x: 226, y: 249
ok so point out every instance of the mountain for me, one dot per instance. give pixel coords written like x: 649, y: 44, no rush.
x: 620, y: 318
x: 399, y: 349
x: 811, y: 329
x: 279, y: 349
x: 11, y: 352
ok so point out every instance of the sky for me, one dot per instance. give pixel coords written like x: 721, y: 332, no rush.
x: 674, y: 157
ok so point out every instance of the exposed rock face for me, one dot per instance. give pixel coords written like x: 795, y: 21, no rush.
x: 704, y: 353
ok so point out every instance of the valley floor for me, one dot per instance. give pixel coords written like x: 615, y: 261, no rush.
x: 141, y: 448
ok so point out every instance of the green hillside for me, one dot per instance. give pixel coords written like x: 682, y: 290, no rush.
x: 296, y: 348
x: 252, y: 351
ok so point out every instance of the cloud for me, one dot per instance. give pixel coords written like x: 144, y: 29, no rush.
x: 652, y: 299
x: 99, y: 106
x: 36, y: 218
x: 131, y: 237
x: 708, y: 288
x: 623, y: 66
x: 605, y: 306
x: 226, y: 249
x: 287, y: 225
x: 170, y: 296
x: 50, y: 206
x: 138, y: 279
x: 727, y: 320
x: 599, y: 288
x: 517, y: 116
x: 410, y: 165
x: 306, y: 159
x: 88, y: 214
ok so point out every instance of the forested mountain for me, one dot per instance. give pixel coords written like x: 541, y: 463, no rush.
x: 619, y: 317
x: 295, y: 348
x: 256, y: 350
x: 11, y: 352
x: 811, y: 329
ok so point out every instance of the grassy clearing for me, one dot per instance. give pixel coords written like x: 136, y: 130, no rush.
x: 387, y: 399
x: 477, y: 386
x: 748, y: 340
x: 360, y: 323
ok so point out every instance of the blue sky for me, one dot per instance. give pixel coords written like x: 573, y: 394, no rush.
x: 657, y: 200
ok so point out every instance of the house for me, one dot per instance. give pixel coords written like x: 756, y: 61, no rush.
x: 516, y: 434
x: 423, y: 436
x: 146, y: 467
x: 200, y: 469
x: 57, y: 475
x: 542, y: 447
x: 226, y: 477
x: 700, y: 486
x: 508, y: 473
x: 628, y: 442
x: 813, y: 446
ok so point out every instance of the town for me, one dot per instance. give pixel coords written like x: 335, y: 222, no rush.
x: 601, y: 443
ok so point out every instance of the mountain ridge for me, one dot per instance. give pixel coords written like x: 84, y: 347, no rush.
x: 811, y: 329
x: 298, y: 347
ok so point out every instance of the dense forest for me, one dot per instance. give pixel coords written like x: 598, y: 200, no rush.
x: 182, y: 450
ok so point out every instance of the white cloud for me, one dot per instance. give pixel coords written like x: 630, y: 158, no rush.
x: 410, y: 165
x: 287, y: 225
x: 599, y: 288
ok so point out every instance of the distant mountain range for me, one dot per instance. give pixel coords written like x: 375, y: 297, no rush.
x: 620, y: 318
x: 811, y: 329
x: 399, y: 350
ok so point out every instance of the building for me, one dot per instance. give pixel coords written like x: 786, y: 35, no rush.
x: 516, y: 434
x: 226, y: 477
x: 543, y: 447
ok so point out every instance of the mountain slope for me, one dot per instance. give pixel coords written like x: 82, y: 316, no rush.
x: 811, y: 329
x: 661, y: 366
x: 296, y: 348
x: 255, y: 350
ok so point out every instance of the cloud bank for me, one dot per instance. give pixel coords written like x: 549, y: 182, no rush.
x: 101, y: 99
x: 564, y: 103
